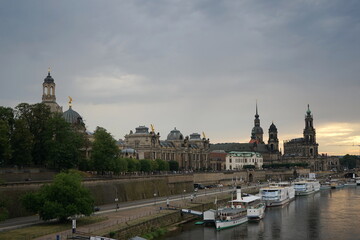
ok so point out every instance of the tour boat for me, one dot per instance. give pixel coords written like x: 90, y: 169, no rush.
x: 255, y: 208
x: 357, y: 181
x: 325, y: 185
x: 230, y: 217
x: 335, y: 183
x: 306, y: 187
x: 277, y: 194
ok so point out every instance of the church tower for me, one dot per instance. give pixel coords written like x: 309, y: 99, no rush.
x: 310, y: 135
x: 48, y: 97
x: 273, y: 142
x: 257, y: 132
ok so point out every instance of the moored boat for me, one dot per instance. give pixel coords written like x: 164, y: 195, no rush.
x: 306, y: 187
x: 277, y: 194
x: 253, y: 204
x: 335, y: 183
x: 357, y: 180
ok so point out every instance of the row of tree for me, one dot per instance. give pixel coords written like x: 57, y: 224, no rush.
x: 32, y: 135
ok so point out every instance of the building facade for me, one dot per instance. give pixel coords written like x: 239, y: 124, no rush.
x: 269, y: 151
x: 305, y: 149
x: 237, y: 160
x: 190, y: 152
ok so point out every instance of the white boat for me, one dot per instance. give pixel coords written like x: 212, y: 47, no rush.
x: 255, y: 208
x: 357, y: 180
x: 306, y: 187
x: 230, y: 217
x: 277, y: 194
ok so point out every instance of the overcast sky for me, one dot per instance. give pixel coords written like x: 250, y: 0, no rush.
x: 198, y: 66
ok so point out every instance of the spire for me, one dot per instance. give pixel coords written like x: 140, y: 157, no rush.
x: 308, y: 110
x: 49, y: 71
x: 256, y: 115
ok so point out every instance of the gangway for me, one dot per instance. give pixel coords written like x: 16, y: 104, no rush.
x: 193, y: 212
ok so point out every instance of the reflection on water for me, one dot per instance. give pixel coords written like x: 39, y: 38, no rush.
x: 328, y: 214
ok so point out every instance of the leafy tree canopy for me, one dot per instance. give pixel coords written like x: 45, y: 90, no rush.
x: 64, y: 198
x: 174, y: 166
x: 104, y: 150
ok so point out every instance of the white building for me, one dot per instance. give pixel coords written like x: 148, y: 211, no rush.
x: 237, y: 160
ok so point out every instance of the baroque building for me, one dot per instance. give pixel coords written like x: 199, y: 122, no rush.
x: 305, y: 146
x: 237, y: 160
x: 190, y: 152
x: 269, y: 151
x: 305, y: 149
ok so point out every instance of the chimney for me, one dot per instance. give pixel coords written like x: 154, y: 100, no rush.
x: 238, y: 193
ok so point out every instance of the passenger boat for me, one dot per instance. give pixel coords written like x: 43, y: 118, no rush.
x: 335, y: 183
x: 277, y: 194
x: 230, y: 217
x: 255, y: 208
x: 306, y: 187
x: 357, y: 180
x: 325, y: 185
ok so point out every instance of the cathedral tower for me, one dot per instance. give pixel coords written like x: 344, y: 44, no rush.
x: 257, y: 132
x: 273, y: 142
x: 310, y: 135
x: 48, y: 97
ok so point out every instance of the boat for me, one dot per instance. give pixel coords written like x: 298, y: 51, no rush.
x: 335, y: 183
x: 325, y: 185
x: 357, y: 180
x: 277, y: 194
x: 230, y: 217
x: 306, y: 187
x: 233, y: 215
x: 253, y: 204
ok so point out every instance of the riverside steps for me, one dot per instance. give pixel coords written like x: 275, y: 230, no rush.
x: 129, y: 222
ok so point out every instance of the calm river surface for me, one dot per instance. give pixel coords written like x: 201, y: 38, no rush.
x: 328, y: 214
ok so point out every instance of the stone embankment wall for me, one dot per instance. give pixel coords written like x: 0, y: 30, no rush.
x: 137, y: 188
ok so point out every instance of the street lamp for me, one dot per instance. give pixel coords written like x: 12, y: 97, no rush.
x: 184, y: 193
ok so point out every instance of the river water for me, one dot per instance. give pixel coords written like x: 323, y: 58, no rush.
x: 332, y: 214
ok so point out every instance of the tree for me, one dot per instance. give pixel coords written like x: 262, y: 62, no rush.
x: 133, y: 165
x: 174, y: 166
x: 5, y: 147
x: 22, y: 142
x: 146, y: 165
x: 62, y: 144
x: 4, y: 213
x: 64, y: 198
x: 162, y: 165
x: 349, y: 161
x: 104, y: 150
x: 36, y: 117
x: 120, y: 165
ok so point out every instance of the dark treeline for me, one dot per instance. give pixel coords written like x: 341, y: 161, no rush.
x: 31, y: 135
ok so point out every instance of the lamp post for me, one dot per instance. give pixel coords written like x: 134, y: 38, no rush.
x: 184, y: 193
x: 155, y: 198
x: 116, y: 199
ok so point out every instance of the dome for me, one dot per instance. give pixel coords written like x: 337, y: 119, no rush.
x: 48, y: 79
x: 257, y: 130
x: 128, y: 150
x: 142, y: 129
x: 175, y: 135
x: 72, y: 116
x: 272, y: 128
x: 195, y: 136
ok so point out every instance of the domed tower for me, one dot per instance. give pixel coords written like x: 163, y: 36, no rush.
x: 257, y: 132
x: 273, y: 142
x: 74, y: 118
x: 48, y: 97
x: 310, y: 135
